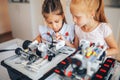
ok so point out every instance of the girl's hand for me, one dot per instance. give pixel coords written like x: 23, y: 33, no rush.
x: 59, y: 36
x: 62, y: 37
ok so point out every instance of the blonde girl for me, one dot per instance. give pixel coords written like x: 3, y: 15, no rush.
x: 91, y: 24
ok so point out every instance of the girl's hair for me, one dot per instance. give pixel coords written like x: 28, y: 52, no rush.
x: 92, y: 5
x: 52, y: 6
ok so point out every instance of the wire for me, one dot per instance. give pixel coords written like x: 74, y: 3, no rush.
x: 47, y: 40
x: 51, y: 38
x: 4, y: 50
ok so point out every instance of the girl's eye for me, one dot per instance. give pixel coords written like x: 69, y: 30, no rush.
x: 56, y: 21
x: 49, y: 22
x: 78, y: 17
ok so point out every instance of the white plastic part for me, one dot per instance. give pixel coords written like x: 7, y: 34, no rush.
x: 60, y: 44
x: 43, y: 48
x: 33, y: 44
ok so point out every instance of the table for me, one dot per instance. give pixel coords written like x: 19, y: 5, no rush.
x: 17, y: 71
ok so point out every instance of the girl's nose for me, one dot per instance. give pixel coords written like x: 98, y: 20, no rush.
x: 74, y: 19
x: 54, y: 25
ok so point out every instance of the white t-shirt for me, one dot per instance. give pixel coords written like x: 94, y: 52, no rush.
x: 67, y: 31
x: 96, y: 36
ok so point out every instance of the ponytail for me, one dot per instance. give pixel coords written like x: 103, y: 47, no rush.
x: 100, y: 14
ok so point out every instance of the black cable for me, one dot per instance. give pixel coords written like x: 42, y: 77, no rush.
x: 3, y: 50
x: 51, y: 38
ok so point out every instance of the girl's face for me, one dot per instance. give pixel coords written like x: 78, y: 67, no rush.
x: 79, y: 17
x: 53, y: 21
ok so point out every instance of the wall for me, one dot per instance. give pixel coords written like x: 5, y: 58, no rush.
x: 113, y: 15
x: 66, y: 7
x: 113, y: 3
x: 20, y: 18
x: 4, y: 17
x: 36, y: 16
x: 25, y: 19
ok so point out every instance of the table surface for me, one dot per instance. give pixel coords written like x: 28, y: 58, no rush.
x: 13, y: 44
x: 42, y: 69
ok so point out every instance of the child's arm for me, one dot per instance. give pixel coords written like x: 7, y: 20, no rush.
x: 113, y: 48
x: 38, y: 38
x: 75, y: 43
x: 35, y: 41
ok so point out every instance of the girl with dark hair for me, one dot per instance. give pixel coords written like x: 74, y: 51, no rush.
x: 54, y: 16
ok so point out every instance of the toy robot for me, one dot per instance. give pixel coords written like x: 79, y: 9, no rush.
x: 86, y: 62
x: 33, y: 51
x: 45, y: 49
